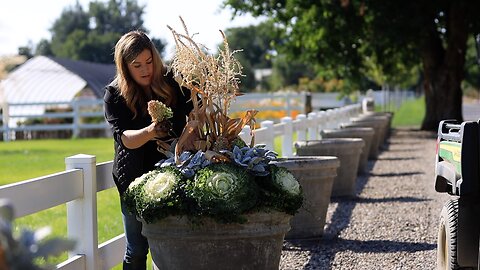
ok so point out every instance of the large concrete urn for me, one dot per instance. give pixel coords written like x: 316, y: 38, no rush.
x: 347, y: 150
x: 364, y: 133
x: 177, y: 243
x: 316, y: 175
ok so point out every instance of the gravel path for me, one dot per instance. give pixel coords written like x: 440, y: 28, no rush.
x: 390, y: 224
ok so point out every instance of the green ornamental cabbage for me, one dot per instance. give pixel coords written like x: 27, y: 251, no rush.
x: 223, y: 191
x: 280, y: 190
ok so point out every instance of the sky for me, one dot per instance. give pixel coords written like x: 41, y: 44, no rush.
x: 24, y: 21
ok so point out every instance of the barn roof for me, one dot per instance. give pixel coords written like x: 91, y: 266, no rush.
x: 95, y: 74
x: 44, y: 79
x: 49, y: 79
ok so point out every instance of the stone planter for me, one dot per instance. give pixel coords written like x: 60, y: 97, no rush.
x: 347, y: 150
x: 384, y: 127
x: 388, y: 115
x: 366, y: 134
x: 377, y: 127
x: 176, y: 243
x: 316, y: 176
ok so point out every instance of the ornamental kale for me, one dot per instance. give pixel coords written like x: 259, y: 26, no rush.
x: 222, y: 185
x: 280, y: 190
x: 223, y: 191
x: 156, y: 194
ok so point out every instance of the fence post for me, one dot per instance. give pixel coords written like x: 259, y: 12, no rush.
x: 332, y: 118
x: 312, y: 126
x: 246, y: 134
x: 270, y: 134
x: 76, y: 119
x: 301, y: 131
x: 322, y: 122
x: 287, y: 142
x: 82, y: 213
x: 5, y: 120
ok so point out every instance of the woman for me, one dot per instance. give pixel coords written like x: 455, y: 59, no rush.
x: 141, y: 76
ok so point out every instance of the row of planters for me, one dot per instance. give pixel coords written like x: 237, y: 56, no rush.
x: 217, y: 202
x: 347, y: 149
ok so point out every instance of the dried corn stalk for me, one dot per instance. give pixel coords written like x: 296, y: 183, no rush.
x: 213, y: 81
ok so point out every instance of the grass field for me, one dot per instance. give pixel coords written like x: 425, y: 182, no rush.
x: 410, y: 114
x: 22, y: 160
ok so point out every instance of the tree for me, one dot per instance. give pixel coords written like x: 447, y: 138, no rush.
x: 43, y: 48
x: 91, y: 35
x: 256, y: 44
x: 345, y: 38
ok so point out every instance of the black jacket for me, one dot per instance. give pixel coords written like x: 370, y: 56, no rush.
x: 129, y: 164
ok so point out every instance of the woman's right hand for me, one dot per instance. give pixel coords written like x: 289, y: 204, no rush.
x: 162, y: 129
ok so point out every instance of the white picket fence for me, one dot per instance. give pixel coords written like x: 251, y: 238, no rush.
x: 14, y: 113
x: 82, y: 109
x: 78, y: 185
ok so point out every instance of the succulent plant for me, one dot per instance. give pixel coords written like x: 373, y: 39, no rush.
x: 254, y: 159
x: 188, y: 164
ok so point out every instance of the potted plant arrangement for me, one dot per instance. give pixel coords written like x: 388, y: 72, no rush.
x: 215, y: 202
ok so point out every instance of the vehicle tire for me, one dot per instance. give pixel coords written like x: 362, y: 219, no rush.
x: 447, y: 237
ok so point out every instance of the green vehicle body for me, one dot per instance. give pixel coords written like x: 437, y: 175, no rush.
x: 451, y: 152
x: 457, y: 173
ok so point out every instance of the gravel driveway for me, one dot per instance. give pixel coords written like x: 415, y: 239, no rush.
x: 390, y: 224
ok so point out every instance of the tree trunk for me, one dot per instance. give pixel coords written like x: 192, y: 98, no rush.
x: 444, y: 69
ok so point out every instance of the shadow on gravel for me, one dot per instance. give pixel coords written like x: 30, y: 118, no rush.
x: 394, y: 174
x: 324, y: 251
x: 364, y: 246
x: 380, y: 200
x: 410, y: 149
x: 398, y: 158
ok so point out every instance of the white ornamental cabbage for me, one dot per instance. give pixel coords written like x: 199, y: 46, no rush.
x: 221, y: 183
x: 140, y: 179
x: 287, y: 181
x: 158, y: 187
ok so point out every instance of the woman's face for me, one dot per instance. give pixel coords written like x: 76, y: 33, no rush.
x: 141, y: 68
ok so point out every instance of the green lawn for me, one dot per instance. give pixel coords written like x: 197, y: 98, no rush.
x: 22, y: 160
x: 410, y: 114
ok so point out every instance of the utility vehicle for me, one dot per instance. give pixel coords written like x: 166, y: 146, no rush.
x: 457, y: 173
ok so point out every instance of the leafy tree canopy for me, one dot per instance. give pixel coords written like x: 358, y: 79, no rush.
x: 91, y: 35
x: 384, y: 40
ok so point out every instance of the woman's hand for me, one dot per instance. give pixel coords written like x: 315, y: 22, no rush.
x: 135, y: 138
x: 162, y: 129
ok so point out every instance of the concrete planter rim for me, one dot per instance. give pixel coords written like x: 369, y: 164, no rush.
x: 334, y: 142
x: 185, y: 229
x: 326, y: 160
x: 357, y: 130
